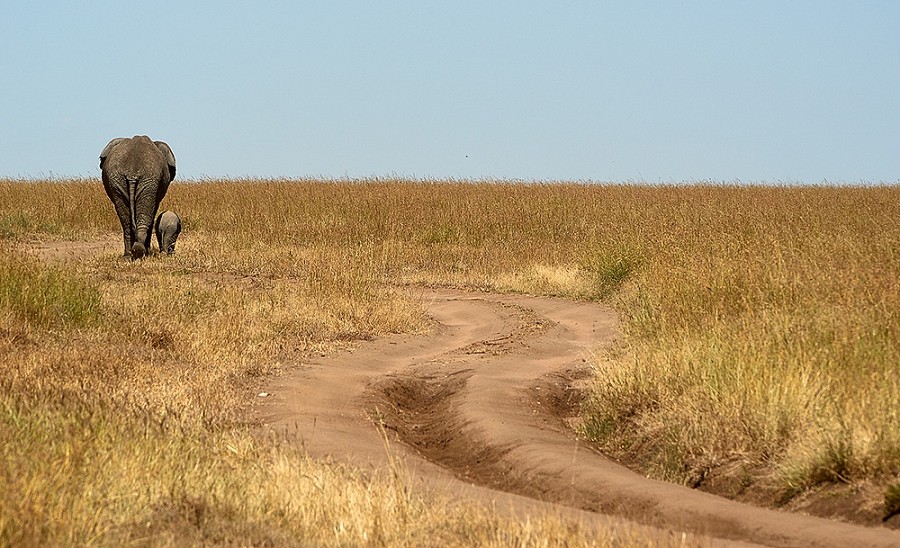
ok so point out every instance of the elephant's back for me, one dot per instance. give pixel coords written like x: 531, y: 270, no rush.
x: 169, y: 219
x: 139, y: 158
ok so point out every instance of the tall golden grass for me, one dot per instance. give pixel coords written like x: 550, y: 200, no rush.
x: 125, y: 386
x: 760, y: 322
x: 762, y: 328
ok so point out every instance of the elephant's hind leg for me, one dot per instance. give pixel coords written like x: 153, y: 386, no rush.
x: 125, y: 221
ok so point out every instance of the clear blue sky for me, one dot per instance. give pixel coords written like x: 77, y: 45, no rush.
x: 795, y: 91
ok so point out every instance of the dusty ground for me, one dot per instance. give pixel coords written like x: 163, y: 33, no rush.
x: 482, y: 407
x: 65, y: 251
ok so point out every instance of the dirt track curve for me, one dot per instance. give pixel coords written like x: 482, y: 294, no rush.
x: 480, y: 407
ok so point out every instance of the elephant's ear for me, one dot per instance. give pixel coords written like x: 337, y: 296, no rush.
x: 108, y: 148
x: 170, y: 157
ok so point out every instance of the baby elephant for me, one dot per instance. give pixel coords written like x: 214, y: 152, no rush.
x: 168, y: 227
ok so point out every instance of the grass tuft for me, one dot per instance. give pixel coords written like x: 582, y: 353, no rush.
x: 891, y: 501
x: 610, y: 268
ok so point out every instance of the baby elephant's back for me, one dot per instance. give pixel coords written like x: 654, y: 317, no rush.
x: 168, y: 227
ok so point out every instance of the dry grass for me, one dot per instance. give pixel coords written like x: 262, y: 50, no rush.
x: 124, y: 387
x: 763, y: 329
x: 760, y: 323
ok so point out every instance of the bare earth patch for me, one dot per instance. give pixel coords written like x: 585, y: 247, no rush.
x: 64, y: 251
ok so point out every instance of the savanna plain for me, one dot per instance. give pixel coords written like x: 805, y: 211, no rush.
x: 759, y: 354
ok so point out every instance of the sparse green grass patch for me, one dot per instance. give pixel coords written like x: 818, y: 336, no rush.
x: 42, y: 296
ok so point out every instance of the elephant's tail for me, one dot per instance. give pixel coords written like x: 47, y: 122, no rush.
x: 131, y: 183
x: 137, y: 245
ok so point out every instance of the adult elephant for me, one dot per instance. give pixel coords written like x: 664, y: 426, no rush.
x: 136, y: 174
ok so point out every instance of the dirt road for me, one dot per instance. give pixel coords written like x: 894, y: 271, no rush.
x: 480, y: 407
